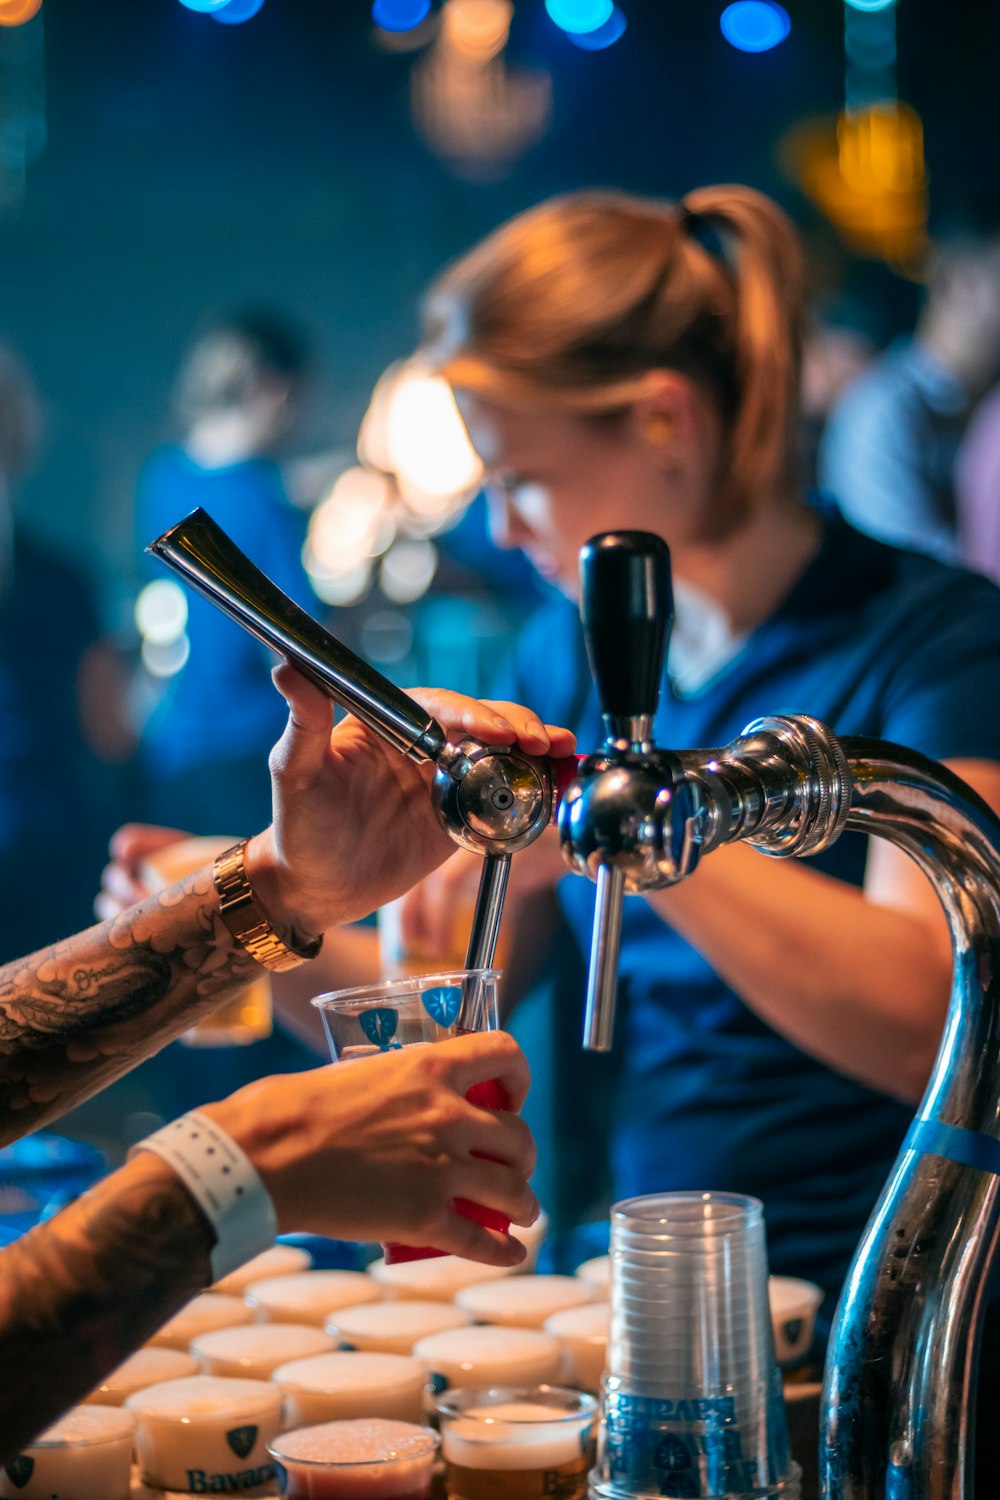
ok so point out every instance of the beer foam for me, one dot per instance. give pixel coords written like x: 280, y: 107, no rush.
x: 280, y: 1260
x: 522, y: 1301
x: 596, y: 1272
x: 88, y: 1424
x: 309, y: 1296
x: 394, y: 1327
x: 515, y: 1435
x: 590, y: 1320
x: 210, y: 1310
x: 436, y: 1279
x: 145, y: 1367
x: 351, y: 1370
x: 256, y: 1350
x: 478, y: 1356
x: 365, y: 1440
x: 205, y: 1396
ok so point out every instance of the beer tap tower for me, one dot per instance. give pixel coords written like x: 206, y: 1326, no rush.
x: 898, y: 1401
x: 897, y: 1419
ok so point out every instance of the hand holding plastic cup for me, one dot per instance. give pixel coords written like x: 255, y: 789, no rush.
x: 415, y: 1012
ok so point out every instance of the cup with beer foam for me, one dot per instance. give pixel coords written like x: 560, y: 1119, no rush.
x: 87, y: 1454
x: 308, y: 1296
x: 488, y: 1356
x: 393, y: 1327
x: 582, y: 1332
x: 254, y: 1352
x: 352, y: 1383
x: 364, y: 1459
x: 434, y: 1280
x: 278, y: 1260
x: 517, y: 1442
x: 207, y: 1434
x: 207, y: 1311
x: 412, y: 1012
x: 144, y: 1367
x: 522, y: 1301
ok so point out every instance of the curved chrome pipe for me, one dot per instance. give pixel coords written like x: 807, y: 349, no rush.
x: 898, y: 1400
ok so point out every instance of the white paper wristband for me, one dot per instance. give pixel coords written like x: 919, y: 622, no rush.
x: 224, y: 1183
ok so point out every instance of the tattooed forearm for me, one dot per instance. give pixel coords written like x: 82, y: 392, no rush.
x: 77, y: 1015
x: 84, y: 1290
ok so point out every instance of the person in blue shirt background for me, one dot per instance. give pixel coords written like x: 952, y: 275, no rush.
x: 623, y: 363
x: 205, y: 744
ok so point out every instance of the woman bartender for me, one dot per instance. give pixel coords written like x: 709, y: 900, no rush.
x: 624, y: 363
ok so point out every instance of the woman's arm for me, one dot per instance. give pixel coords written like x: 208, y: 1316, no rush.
x: 857, y: 978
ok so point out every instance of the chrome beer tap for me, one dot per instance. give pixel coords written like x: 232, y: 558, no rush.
x: 898, y: 1402
x: 492, y: 799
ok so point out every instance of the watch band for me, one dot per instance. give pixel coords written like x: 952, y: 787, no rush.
x: 247, y: 920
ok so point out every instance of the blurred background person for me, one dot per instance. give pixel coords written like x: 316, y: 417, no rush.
x: 889, y: 449
x: 64, y: 735
x: 205, y: 744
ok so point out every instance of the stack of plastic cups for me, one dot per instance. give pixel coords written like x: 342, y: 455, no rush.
x: 692, y: 1397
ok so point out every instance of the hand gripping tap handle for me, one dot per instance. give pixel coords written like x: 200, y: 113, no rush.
x: 491, y: 799
x: 626, y: 605
x: 201, y: 552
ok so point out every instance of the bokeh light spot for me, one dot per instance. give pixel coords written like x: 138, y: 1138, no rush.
x: 580, y: 15
x: 755, y: 25
x: 400, y: 15
x: 17, y: 12
x: 870, y: 4
x: 604, y: 36
x: 237, y: 11
x: 161, y: 612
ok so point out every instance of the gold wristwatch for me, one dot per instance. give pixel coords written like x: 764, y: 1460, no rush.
x: 247, y: 920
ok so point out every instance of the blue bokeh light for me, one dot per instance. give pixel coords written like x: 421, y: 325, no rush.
x: 602, y: 36
x: 580, y: 17
x: 400, y: 15
x: 870, y: 4
x: 236, y: 11
x: 206, y: 6
x: 755, y: 25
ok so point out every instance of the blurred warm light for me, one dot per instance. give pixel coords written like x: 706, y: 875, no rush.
x: 400, y: 15
x: 580, y: 15
x: 412, y: 429
x: 408, y: 570
x: 881, y: 148
x: 161, y: 612
x: 604, y: 36
x: 866, y: 173
x: 755, y: 25
x: 165, y: 659
x: 235, y: 12
x: 477, y: 28
x: 17, y: 12
x: 346, y: 530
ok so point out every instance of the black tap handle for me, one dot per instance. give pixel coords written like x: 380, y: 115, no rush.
x: 626, y: 604
x: 207, y: 558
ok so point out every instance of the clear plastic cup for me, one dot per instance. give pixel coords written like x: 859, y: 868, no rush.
x: 408, y: 1012
x: 363, y: 1459
x: 692, y: 1398
x: 527, y: 1442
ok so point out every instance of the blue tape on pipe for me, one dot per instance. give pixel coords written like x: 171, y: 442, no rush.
x: 969, y: 1147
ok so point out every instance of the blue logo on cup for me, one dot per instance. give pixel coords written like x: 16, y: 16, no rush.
x: 20, y: 1471
x: 379, y: 1026
x: 241, y: 1440
x: 443, y: 1004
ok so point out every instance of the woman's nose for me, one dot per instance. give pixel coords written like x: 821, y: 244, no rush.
x: 507, y: 527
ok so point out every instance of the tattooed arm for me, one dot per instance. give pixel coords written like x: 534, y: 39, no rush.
x: 82, y: 1291
x: 377, y: 1150
x: 76, y: 1016
x: 353, y: 828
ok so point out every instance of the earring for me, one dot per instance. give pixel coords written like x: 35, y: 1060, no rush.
x: 658, y: 428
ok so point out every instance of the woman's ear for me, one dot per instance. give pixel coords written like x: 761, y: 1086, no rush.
x: 665, y: 416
